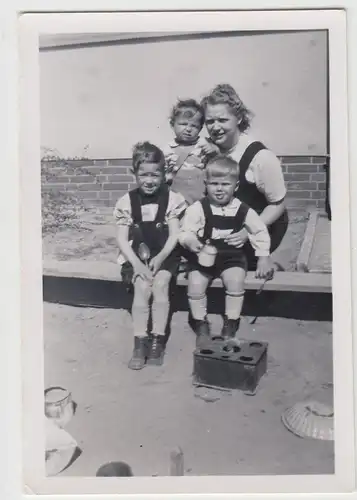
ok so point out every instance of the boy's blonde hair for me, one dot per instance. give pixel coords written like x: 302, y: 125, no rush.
x: 222, y: 166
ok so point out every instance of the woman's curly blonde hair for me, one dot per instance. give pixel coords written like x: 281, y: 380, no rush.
x: 225, y: 94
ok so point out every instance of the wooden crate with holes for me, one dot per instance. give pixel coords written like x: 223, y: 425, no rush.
x: 230, y: 364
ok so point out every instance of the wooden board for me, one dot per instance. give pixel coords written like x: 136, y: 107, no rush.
x: 302, y: 263
x: 109, y: 271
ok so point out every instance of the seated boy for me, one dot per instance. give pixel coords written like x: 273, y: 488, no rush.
x: 211, y: 220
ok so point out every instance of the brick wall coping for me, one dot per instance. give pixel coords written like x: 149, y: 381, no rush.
x: 124, y: 161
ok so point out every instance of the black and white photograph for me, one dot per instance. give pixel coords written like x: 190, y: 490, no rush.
x: 189, y: 229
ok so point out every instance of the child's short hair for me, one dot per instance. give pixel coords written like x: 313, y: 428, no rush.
x: 225, y: 94
x: 187, y: 108
x: 145, y: 152
x: 222, y: 166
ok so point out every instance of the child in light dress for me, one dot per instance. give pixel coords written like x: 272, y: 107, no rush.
x: 187, y: 153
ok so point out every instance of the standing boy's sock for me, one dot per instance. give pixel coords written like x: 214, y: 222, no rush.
x: 234, y: 304
x: 160, y: 314
x: 198, y: 306
x: 140, y: 316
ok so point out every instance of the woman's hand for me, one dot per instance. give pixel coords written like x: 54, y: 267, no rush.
x: 265, y: 268
x: 209, y: 150
x: 171, y: 160
x: 237, y: 240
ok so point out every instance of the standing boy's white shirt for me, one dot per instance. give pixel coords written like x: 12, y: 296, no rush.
x: 122, y: 210
x: 193, y: 222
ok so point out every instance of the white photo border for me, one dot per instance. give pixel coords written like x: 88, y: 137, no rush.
x: 31, y: 26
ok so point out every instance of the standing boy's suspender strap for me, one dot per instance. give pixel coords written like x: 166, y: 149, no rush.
x: 162, y: 205
x: 247, y: 157
x: 206, y: 207
x: 240, y: 216
x: 135, y: 206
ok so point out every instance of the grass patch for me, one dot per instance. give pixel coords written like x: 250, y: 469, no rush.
x: 61, y: 209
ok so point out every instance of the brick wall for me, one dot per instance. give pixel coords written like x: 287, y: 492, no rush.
x: 305, y: 179
x: 101, y: 182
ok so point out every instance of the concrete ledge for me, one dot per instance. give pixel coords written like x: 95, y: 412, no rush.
x: 108, y: 271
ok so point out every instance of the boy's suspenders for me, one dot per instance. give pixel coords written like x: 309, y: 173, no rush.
x: 136, y: 206
x: 239, y: 218
x: 162, y: 206
x: 207, y: 231
x: 247, y: 157
x: 241, y: 215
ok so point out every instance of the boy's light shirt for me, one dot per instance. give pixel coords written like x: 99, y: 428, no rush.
x: 193, y: 222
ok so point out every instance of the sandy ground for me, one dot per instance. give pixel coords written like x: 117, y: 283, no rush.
x: 138, y: 417
x: 96, y: 240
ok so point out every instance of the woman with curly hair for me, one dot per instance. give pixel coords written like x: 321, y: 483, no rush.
x: 261, y: 181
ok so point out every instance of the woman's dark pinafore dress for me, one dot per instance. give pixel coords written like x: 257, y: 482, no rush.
x: 249, y: 194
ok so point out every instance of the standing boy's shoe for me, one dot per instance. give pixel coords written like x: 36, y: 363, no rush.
x: 156, y: 350
x: 201, y: 329
x: 138, y: 358
x: 230, y: 328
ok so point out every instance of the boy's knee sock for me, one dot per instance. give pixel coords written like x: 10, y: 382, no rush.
x: 234, y: 304
x: 140, y: 316
x: 198, y: 306
x: 160, y: 314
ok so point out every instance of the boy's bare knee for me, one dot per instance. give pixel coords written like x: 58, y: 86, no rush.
x: 197, y: 285
x: 196, y: 279
x: 233, y: 281
x: 160, y: 287
x: 142, y: 287
x: 234, y: 287
x: 161, y: 284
